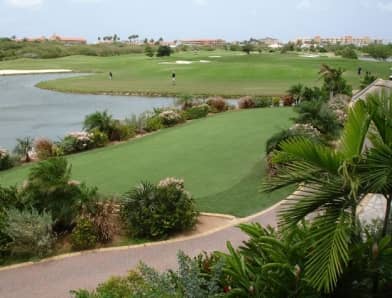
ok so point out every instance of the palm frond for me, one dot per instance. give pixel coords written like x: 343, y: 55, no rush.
x: 355, y: 130
x: 330, y: 254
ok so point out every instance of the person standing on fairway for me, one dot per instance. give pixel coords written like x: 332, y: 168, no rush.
x: 173, y: 77
x: 110, y: 75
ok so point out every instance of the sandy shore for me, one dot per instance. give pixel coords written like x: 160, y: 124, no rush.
x: 8, y: 72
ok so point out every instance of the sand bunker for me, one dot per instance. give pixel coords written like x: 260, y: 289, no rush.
x: 176, y: 62
x: 214, y: 56
x: 204, y: 61
x: 6, y: 72
x: 310, y: 56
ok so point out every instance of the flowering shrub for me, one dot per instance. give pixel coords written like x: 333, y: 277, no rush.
x: 6, y: 161
x: 77, y: 142
x: 276, y: 101
x: 153, y: 123
x: 288, y: 100
x: 157, y: 211
x: 170, y: 118
x: 44, y: 148
x: 217, y: 104
x: 246, y: 102
x: 305, y: 129
x: 196, y: 112
x: 339, y: 104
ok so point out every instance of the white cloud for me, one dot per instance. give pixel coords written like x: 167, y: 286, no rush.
x: 385, y: 6
x: 200, y: 2
x: 25, y: 3
x: 304, y: 4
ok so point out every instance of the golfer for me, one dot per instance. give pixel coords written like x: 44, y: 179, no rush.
x: 173, y: 78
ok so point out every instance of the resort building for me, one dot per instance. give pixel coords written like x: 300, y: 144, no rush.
x: 68, y: 40
x: 344, y: 40
x: 202, y: 42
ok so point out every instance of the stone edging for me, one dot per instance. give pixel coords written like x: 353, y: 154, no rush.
x: 234, y: 221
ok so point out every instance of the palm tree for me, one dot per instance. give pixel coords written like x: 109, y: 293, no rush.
x: 333, y: 80
x: 23, y: 147
x: 99, y: 120
x: 378, y: 166
x: 296, y: 92
x: 330, y: 189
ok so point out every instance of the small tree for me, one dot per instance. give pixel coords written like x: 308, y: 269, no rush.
x: 163, y: 51
x: 23, y: 148
x: 149, y: 51
x: 248, y: 48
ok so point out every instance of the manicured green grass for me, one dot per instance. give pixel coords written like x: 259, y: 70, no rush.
x: 233, y: 74
x: 221, y: 159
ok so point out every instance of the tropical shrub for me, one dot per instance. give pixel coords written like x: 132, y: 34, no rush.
x: 121, y: 131
x: 48, y: 188
x: 170, y: 118
x: 30, y: 232
x: 99, y: 120
x: 367, y: 80
x: 246, y: 102
x: 157, y: 211
x: 320, y: 116
x: 153, y: 123
x: 44, y: 148
x: 163, y: 51
x: 76, y: 142
x: 6, y: 161
x: 84, y: 234
x: 288, y: 100
x: 103, y: 216
x: 217, y: 104
x: 339, y: 105
x: 98, y: 138
x: 262, y: 102
x: 189, y: 281
x: 23, y: 148
x: 276, y: 101
x: 196, y: 112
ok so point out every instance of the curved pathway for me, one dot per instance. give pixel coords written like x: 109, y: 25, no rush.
x: 55, y: 278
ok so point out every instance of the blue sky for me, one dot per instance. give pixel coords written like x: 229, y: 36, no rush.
x: 177, y: 19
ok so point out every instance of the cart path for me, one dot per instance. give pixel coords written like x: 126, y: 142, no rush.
x: 55, y: 278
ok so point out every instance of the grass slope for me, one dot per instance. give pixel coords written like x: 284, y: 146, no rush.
x: 233, y: 74
x: 221, y: 159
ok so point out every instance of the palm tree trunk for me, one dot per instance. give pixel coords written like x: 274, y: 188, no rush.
x: 387, y: 212
x: 27, y: 158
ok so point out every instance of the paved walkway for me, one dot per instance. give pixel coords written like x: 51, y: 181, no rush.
x: 54, y: 279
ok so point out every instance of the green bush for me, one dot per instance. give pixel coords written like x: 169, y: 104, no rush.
x: 6, y: 161
x: 196, y: 112
x: 30, y: 232
x: 275, y: 101
x: 84, y: 235
x: 153, y: 123
x: 121, y: 131
x: 262, y: 102
x: 157, y: 211
x: 98, y: 138
x: 76, y: 142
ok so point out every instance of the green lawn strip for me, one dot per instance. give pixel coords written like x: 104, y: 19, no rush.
x: 216, y: 156
x: 230, y: 75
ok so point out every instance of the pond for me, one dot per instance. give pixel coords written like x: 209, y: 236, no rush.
x: 29, y: 111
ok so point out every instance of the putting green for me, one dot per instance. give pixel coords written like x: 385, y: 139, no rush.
x: 221, y: 159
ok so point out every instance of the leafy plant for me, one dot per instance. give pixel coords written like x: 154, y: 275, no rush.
x: 196, y: 112
x: 30, y: 232
x: 158, y: 211
x: 23, y: 148
x: 84, y: 234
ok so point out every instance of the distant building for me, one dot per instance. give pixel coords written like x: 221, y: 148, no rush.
x: 68, y: 40
x: 269, y: 41
x: 202, y: 42
x: 343, y: 40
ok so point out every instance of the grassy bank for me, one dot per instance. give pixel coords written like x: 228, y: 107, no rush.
x: 221, y: 159
x: 231, y: 74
